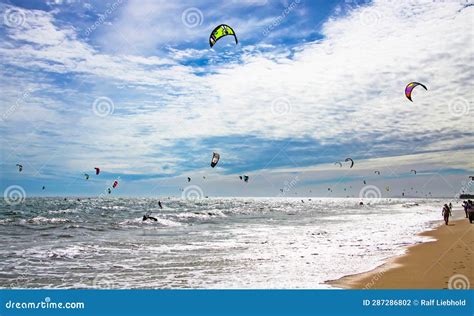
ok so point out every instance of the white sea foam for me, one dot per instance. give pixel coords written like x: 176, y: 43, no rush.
x: 216, y: 243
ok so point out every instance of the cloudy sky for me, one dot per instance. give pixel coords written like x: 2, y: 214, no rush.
x: 132, y: 87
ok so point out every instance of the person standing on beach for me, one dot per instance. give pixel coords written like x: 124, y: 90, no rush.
x: 446, y: 213
x: 465, y: 205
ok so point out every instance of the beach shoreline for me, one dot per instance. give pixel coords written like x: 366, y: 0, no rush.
x: 445, y: 262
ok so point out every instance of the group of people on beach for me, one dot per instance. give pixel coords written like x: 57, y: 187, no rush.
x: 468, y: 209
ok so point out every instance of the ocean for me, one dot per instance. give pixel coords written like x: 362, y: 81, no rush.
x: 207, y: 243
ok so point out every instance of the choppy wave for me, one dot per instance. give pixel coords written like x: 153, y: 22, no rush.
x: 223, y: 243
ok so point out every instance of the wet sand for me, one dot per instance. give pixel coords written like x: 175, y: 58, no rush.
x: 445, y: 263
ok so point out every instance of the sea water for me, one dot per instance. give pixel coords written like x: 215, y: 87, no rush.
x: 205, y: 243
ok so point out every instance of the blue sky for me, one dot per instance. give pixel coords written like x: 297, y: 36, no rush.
x: 133, y: 87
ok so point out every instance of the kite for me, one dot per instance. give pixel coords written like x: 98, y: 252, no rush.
x: 377, y: 172
x: 87, y: 176
x: 219, y: 32
x: 115, y: 184
x: 109, y: 190
x: 352, y: 161
x: 365, y: 182
x: 413, y: 170
x: 189, y: 179
x: 244, y: 177
x: 338, y: 163
x: 409, y: 89
x: 20, y: 167
x: 387, y: 188
x: 97, y: 170
x: 43, y: 187
x: 215, y: 159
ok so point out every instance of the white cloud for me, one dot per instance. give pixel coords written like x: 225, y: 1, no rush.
x: 345, y: 88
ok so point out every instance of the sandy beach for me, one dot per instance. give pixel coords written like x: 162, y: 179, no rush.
x: 429, y: 265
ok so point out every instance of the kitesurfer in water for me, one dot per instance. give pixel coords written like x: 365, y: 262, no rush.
x: 146, y: 217
x: 159, y: 204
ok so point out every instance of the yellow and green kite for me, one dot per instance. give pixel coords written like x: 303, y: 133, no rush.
x: 219, y: 32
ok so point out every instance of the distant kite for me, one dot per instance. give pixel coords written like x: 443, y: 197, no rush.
x: 189, y: 179
x: 20, y: 167
x: 338, y: 163
x: 409, y: 89
x: 86, y: 175
x: 215, y: 159
x: 377, y: 172
x: 352, y: 162
x: 219, y: 32
x: 115, y: 184
x: 97, y: 170
x: 413, y: 170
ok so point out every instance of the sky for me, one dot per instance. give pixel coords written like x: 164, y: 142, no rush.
x: 133, y: 87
